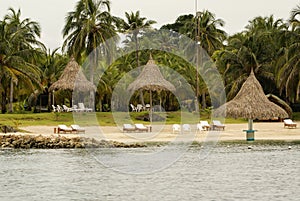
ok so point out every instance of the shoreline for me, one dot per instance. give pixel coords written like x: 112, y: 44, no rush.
x: 270, y: 132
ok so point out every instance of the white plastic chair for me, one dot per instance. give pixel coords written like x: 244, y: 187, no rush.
x: 54, y: 108
x: 85, y: 109
x: 67, y: 109
x: 176, y: 128
x: 133, y: 108
x: 186, y: 128
x: 139, y: 107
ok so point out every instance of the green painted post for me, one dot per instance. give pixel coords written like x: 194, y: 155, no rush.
x: 250, y: 132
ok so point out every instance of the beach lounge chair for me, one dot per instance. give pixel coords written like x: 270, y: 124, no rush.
x: 83, y: 108
x: 133, y: 108
x: 176, y: 128
x: 205, y: 125
x: 64, y: 128
x: 217, y: 125
x: 199, y: 127
x: 128, y: 128
x: 186, y: 128
x: 76, y: 128
x: 67, y: 109
x: 141, y: 127
x: 289, y: 123
x: 76, y: 109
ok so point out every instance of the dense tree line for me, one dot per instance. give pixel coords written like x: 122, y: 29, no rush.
x: 268, y: 46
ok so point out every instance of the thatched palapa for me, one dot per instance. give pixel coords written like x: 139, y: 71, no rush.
x: 151, y: 79
x: 251, y: 103
x: 71, y: 78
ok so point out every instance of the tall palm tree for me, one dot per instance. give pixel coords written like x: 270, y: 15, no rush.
x: 90, y: 25
x: 254, y: 49
x: 205, y: 29
x: 294, y: 18
x: 135, y: 24
x: 288, y: 64
x: 18, y: 39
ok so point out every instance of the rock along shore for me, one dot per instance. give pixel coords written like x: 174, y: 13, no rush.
x: 58, y: 142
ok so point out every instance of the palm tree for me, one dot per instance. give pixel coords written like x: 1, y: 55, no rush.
x: 135, y: 24
x: 206, y: 30
x: 18, y: 39
x: 294, y: 20
x: 288, y: 64
x: 254, y: 49
x: 90, y: 25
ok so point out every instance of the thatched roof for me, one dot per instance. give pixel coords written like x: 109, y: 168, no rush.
x: 151, y: 79
x: 72, y: 77
x: 251, y: 103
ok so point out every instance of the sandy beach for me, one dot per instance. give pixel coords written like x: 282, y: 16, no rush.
x: 163, y: 133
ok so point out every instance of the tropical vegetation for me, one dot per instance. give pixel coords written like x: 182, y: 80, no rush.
x: 268, y: 46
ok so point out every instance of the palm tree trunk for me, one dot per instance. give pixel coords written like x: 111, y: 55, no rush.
x: 203, y: 100
x: 11, y: 95
x: 142, y: 97
x: 3, y: 102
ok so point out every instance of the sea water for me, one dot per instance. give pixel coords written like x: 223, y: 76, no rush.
x: 236, y: 172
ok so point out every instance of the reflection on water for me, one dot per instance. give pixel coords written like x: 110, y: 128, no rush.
x: 227, y: 173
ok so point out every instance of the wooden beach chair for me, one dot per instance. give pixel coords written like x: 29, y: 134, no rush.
x: 128, y: 128
x: 64, y: 128
x: 76, y: 128
x: 289, y: 123
x: 205, y: 125
x: 141, y: 127
x: 217, y: 125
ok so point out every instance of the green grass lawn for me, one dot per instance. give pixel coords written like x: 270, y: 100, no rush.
x: 103, y: 118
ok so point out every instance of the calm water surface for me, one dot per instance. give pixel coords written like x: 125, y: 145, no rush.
x: 227, y: 173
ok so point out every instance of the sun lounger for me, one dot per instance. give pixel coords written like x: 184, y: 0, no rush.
x: 217, y: 125
x: 77, y: 128
x: 64, y: 128
x: 204, y: 125
x: 289, y: 123
x: 128, y: 128
x: 141, y: 127
x: 176, y: 128
x: 83, y: 108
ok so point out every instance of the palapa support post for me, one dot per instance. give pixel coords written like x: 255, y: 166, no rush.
x: 250, y: 132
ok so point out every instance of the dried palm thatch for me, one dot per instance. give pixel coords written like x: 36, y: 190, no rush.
x: 71, y: 78
x: 151, y: 79
x: 251, y: 103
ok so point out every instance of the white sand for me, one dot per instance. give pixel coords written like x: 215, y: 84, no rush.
x: 163, y: 133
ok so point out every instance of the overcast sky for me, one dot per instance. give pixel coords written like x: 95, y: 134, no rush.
x: 236, y: 13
